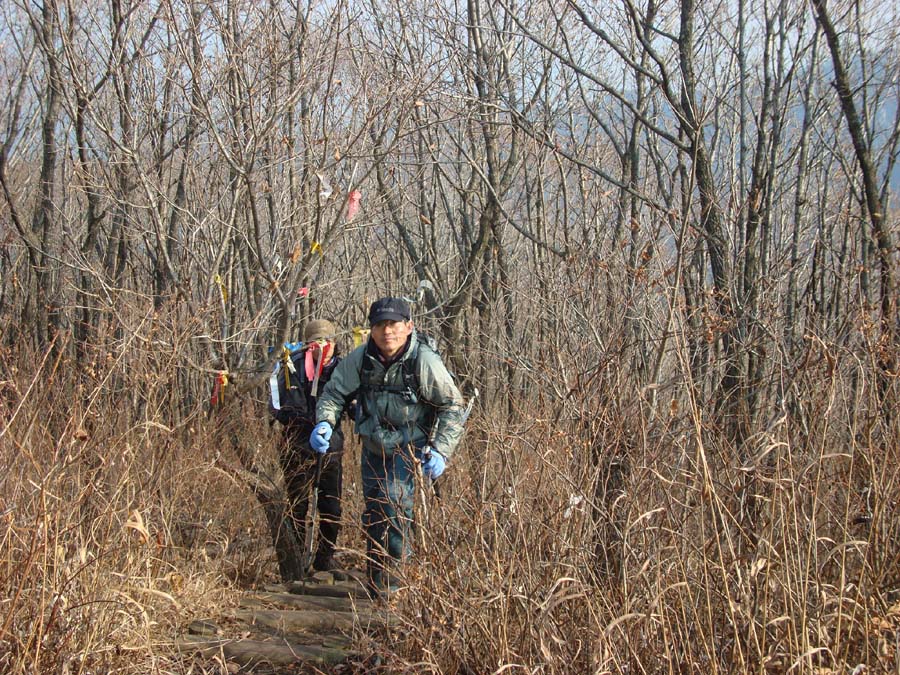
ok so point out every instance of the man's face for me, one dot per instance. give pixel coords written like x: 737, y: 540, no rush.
x: 390, y: 336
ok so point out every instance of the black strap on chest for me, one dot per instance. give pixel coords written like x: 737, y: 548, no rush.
x: 371, y: 383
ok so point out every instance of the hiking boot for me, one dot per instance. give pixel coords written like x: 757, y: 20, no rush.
x: 381, y: 585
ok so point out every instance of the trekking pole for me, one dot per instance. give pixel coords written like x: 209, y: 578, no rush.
x: 421, y: 522
x: 468, y: 410
x: 436, y: 483
x: 314, y: 511
x: 423, y: 481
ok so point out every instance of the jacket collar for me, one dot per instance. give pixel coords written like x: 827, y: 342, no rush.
x: 408, y: 350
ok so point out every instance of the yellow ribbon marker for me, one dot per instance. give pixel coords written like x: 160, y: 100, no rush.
x: 285, y: 360
x: 360, y: 335
x: 316, y: 248
x: 223, y: 380
x: 221, y: 284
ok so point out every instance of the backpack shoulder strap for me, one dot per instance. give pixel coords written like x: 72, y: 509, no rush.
x: 368, y: 382
x: 367, y: 379
x: 411, y: 369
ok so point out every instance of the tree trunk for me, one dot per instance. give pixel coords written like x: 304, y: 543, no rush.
x: 872, y: 199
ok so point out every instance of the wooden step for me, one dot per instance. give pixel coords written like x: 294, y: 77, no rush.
x: 325, y: 602
x: 307, y: 620
x: 338, y: 589
x: 248, y: 652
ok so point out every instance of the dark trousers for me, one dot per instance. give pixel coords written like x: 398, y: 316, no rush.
x: 299, y: 466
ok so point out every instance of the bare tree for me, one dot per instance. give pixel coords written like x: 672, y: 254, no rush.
x: 873, y: 190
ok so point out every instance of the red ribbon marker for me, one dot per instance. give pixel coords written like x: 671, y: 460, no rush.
x: 218, y: 392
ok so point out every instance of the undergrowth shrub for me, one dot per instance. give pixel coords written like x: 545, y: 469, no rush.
x: 116, y: 524
x: 664, y: 548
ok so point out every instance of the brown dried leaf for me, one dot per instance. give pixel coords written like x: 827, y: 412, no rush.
x: 136, y: 522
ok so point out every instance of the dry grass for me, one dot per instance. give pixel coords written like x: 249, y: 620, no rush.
x: 706, y: 560
x: 122, y: 521
x: 116, y: 528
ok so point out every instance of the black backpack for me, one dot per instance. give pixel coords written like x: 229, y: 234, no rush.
x: 290, y: 400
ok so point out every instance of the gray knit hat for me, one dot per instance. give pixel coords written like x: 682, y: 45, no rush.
x: 318, y: 329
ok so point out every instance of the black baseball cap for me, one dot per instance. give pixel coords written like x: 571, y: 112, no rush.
x: 389, y: 309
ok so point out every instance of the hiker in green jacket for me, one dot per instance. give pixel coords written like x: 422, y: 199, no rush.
x: 409, y: 413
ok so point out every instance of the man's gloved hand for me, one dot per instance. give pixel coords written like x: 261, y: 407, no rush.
x: 433, y: 463
x: 320, y: 437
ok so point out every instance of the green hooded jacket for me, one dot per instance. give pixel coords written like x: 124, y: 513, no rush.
x: 387, y: 420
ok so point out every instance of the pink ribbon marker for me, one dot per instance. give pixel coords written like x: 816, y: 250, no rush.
x: 353, y: 203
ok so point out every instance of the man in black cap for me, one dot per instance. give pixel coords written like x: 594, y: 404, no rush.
x: 409, y: 412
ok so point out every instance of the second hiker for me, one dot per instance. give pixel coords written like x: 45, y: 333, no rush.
x: 296, y: 383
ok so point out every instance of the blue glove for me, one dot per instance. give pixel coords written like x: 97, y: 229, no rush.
x: 433, y: 463
x: 320, y: 437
